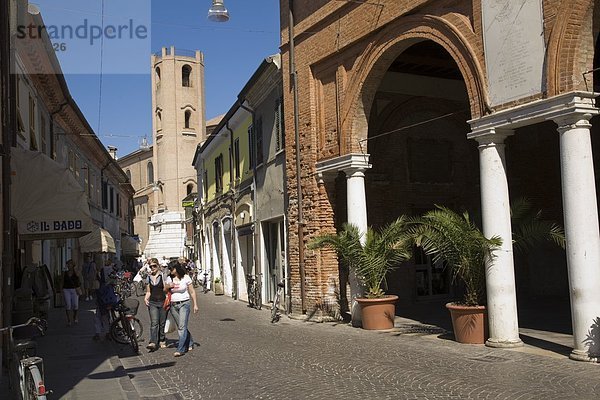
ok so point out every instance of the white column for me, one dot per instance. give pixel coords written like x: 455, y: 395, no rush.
x: 357, y: 215
x: 581, y: 231
x: 356, y: 198
x: 500, y: 273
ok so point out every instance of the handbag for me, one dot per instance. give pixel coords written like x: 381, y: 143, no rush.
x: 167, y: 302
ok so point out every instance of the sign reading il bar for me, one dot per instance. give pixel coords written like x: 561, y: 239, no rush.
x: 513, y: 33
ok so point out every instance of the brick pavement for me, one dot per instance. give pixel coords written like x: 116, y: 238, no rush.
x: 241, y: 355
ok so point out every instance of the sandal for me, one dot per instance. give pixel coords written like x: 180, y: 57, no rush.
x: 177, y: 354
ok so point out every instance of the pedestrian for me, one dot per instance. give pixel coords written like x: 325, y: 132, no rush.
x: 71, y: 284
x: 154, y: 299
x: 89, y: 278
x: 180, y: 286
x: 164, y: 262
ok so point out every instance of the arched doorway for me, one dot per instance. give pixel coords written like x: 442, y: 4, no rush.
x: 420, y: 155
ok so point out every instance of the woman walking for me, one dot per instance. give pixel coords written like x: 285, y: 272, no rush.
x: 154, y: 299
x: 182, y: 290
x: 70, y: 284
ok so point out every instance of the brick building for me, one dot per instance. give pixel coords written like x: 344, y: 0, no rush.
x: 467, y: 104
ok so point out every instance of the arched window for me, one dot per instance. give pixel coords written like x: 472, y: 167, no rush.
x: 157, y: 71
x: 186, y: 71
x: 158, y: 121
x: 150, y: 172
x: 190, y: 188
x: 128, y: 173
x: 188, y: 117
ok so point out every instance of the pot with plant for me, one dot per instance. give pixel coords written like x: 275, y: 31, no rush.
x: 454, y: 239
x: 371, y: 257
x: 219, y: 290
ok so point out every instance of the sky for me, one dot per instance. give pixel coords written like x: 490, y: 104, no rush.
x: 117, y: 102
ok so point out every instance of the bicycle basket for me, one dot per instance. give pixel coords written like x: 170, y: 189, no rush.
x: 131, y: 306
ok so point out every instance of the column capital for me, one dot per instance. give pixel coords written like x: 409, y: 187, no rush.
x: 573, y: 120
x: 348, y: 162
x: 491, y: 135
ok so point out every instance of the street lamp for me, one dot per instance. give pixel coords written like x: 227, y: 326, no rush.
x: 217, y: 12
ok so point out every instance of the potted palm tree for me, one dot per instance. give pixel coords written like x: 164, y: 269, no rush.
x: 454, y: 239
x: 371, y: 257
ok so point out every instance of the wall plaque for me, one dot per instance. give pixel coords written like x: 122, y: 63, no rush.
x: 513, y: 33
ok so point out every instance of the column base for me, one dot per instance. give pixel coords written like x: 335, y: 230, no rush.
x: 503, y: 344
x: 582, y: 355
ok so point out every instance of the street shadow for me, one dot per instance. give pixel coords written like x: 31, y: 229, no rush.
x: 227, y: 320
x: 546, y: 345
x: 120, y: 371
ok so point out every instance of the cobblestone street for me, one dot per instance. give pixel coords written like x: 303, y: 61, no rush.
x: 241, y: 355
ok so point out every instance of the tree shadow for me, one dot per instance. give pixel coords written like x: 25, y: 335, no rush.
x: 593, y: 339
x: 120, y: 371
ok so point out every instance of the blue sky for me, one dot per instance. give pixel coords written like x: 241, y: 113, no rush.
x: 232, y: 52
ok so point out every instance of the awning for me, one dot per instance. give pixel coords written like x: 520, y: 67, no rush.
x: 130, y: 246
x: 46, y: 200
x: 98, y: 241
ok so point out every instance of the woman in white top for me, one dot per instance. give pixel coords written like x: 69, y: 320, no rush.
x: 181, y: 288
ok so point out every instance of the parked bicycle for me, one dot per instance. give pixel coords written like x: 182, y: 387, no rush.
x: 140, y: 287
x: 275, y: 311
x: 126, y: 328
x: 194, y: 275
x: 254, y: 290
x: 205, y: 288
x: 25, y: 368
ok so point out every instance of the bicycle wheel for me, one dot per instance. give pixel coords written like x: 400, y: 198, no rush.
x: 118, y: 333
x: 140, y: 288
x: 257, y: 296
x: 131, y: 335
x: 33, y: 383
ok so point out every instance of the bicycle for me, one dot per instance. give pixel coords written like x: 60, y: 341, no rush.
x: 126, y: 329
x: 205, y: 288
x: 30, y: 368
x: 254, y: 291
x: 140, y: 287
x: 194, y: 275
x: 275, y: 312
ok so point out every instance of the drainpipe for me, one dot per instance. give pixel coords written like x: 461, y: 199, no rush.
x: 7, y: 88
x: 232, y: 208
x: 300, y: 222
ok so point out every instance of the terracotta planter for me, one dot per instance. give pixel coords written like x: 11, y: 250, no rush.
x: 378, y: 313
x: 469, y: 323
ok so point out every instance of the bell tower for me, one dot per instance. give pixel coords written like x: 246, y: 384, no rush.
x: 178, y: 126
x: 178, y: 123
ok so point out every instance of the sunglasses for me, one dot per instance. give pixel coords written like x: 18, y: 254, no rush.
x: 153, y: 266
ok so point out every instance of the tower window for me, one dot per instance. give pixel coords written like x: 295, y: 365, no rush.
x: 188, y: 117
x: 190, y: 189
x: 157, y: 71
x: 150, y: 172
x: 186, y: 71
x: 158, y: 121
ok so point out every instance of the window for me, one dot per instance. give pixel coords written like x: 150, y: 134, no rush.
x: 43, y: 133
x: 251, y: 146
x: 205, y: 184
x: 188, y: 117
x: 86, y: 179
x: 279, y: 135
x: 186, y: 71
x: 77, y: 167
x: 236, y: 157
x: 119, y: 205
x: 158, y: 121
x: 157, y: 75
x: 104, y: 195
x: 219, y: 173
x: 71, y: 161
x: 111, y: 198
x: 93, y: 195
x: 150, y: 173
x: 32, y: 137
x: 259, y: 142
x: 189, y: 189
x: 128, y: 173
x: 20, y: 124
